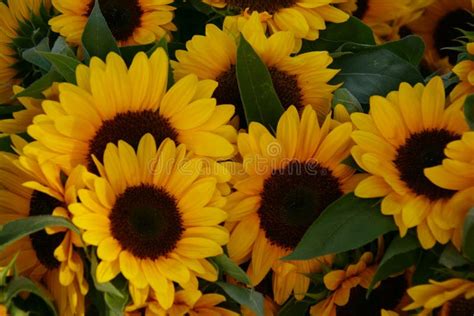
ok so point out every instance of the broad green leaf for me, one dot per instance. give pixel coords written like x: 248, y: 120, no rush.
x: 61, y: 47
x: 260, y: 101
x: 468, y: 235
x: 230, y: 268
x: 469, y: 110
x: 410, y: 48
x: 15, y: 230
x: 33, y: 55
x: 129, y: 52
x: 244, y: 296
x: 97, y: 38
x: 7, y: 110
x: 346, y: 98
x: 36, y: 88
x: 4, y: 273
x: 451, y: 258
x: 22, y: 284
x: 107, y: 287
x: 64, y: 65
x: 346, y: 224
x: 374, y: 72
x: 116, y: 303
x: 401, y: 254
x: 337, y: 34
x: 426, y: 266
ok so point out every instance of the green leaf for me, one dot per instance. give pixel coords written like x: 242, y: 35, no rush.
x: 248, y: 297
x: 4, y: 273
x: 107, y: 287
x: 33, y: 55
x: 20, y: 228
x: 6, y: 143
x: 337, y: 34
x: 117, y: 303
x: 468, y: 235
x: 469, y: 110
x: 401, y: 254
x: 294, y: 307
x: 97, y: 38
x: 451, y: 258
x: 260, y: 101
x: 22, y: 284
x: 346, y: 224
x: 129, y: 52
x: 64, y: 65
x: 7, y: 110
x: 425, y: 267
x: 61, y: 47
x: 36, y: 88
x: 346, y: 98
x: 374, y: 72
x: 231, y: 268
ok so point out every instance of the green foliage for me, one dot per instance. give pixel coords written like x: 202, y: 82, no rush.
x: 35, y: 90
x: 97, y: 38
x: 231, y: 268
x: 469, y: 110
x: 451, y: 258
x: 468, y: 235
x: 244, y: 296
x: 346, y: 224
x: 260, y: 101
x: 64, y: 65
x: 346, y: 98
x: 15, y: 230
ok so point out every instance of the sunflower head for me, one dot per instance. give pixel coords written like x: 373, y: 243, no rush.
x: 49, y: 256
x: 452, y: 297
x: 120, y: 103
x: 153, y: 216
x: 298, y: 80
x: 404, y: 134
x: 24, y: 25
x: 131, y: 22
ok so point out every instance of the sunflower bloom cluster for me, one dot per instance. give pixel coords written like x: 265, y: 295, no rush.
x: 236, y: 157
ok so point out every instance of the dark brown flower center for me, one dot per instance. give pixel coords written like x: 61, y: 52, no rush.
x: 44, y: 244
x: 129, y: 127
x: 286, y: 86
x: 362, y: 8
x: 388, y: 296
x: 423, y: 150
x: 271, y: 6
x: 293, y: 198
x: 447, y: 32
x: 146, y: 221
x: 122, y: 16
x: 457, y: 307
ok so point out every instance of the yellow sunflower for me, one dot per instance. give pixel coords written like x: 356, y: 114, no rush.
x: 23, y: 118
x: 20, y: 29
x: 402, y: 135
x: 29, y: 188
x: 153, y: 218
x: 453, y: 297
x: 439, y: 26
x: 298, y: 80
x: 385, y: 17
x: 456, y: 173
x: 112, y: 103
x: 348, y: 290
x: 303, y: 18
x: 132, y: 22
x: 465, y: 71
x: 268, y: 220
x: 186, y: 302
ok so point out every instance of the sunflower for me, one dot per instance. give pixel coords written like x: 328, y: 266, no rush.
x: 23, y: 118
x: 465, y: 72
x: 440, y: 27
x: 384, y: 17
x: 153, y: 218
x: 348, y: 290
x: 186, y: 302
x: 456, y: 173
x: 303, y: 18
x: 112, y: 103
x: 267, y: 219
x: 402, y: 135
x: 453, y: 297
x: 131, y: 22
x: 298, y: 80
x: 23, y: 25
x: 28, y: 188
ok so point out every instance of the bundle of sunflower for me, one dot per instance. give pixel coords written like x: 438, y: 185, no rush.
x: 237, y: 157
